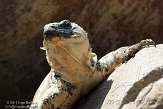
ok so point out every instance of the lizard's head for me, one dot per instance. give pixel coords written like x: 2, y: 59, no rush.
x: 66, y: 46
x: 64, y: 30
x: 66, y: 34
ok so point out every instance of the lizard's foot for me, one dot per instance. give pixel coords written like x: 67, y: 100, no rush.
x: 147, y: 42
x: 132, y: 50
x: 142, y: 44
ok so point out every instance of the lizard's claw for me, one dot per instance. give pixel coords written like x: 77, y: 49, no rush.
x: 147, y: 42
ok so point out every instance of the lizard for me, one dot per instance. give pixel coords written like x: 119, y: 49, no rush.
x: 75, y: 69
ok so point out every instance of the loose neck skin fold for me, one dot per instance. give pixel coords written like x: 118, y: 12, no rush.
x: 68, y: 59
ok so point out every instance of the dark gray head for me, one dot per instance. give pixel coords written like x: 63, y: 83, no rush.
x: 64, y: 29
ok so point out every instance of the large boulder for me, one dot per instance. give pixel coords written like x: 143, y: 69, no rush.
x: 136, y: 84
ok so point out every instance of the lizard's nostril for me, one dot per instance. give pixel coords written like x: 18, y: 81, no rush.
x: 53, y: 26
x: 66, y: 24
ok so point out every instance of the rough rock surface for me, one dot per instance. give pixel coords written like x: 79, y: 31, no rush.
x: 110, y: 24
x: 137, y: 84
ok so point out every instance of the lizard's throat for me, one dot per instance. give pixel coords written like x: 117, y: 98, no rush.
x: 68, y: 62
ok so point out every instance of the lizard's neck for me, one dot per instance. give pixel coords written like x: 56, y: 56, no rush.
x: 69, y: 62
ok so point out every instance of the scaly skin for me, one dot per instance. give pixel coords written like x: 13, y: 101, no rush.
x: 75, y: 70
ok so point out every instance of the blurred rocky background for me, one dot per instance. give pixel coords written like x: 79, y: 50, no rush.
x: 110, y: 24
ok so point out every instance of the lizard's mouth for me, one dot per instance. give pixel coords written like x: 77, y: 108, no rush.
x: 64, y: 29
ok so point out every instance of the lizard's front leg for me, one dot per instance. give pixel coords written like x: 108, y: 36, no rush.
x: 110, y: 61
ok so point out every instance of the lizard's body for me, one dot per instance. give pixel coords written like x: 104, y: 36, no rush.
x: 75, y: 70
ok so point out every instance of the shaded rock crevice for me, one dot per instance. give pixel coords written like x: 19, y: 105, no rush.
x: 153, y: 76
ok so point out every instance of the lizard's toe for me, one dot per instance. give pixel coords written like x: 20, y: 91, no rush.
x: 147, y: 42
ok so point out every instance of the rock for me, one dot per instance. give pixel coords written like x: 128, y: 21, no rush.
x: 150, y: 97
x: 110, y: 24
x: 136, y: 84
